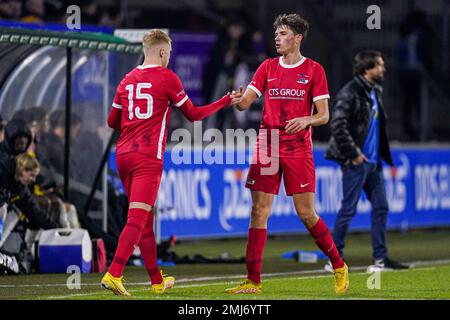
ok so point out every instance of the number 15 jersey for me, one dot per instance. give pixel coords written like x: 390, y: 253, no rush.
x: 145, y: 96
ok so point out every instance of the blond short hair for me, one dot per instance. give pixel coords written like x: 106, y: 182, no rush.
x: 26, y: 162
x: 155, y: 37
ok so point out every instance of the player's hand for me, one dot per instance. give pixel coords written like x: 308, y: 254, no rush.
x: 297, y: 124
x: 359, y: 159
x: 236, y: 96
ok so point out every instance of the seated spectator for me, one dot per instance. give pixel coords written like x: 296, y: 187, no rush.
x: 17, y: 138
x: 15, y: 176
x: 24, y: 216
x: 38, y: 121
x: 47, y: 192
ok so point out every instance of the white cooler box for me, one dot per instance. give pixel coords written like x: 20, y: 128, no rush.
x: 61, y: 248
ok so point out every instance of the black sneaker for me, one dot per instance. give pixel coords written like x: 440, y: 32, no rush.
x: 392, y: 264
x: 386, y: 264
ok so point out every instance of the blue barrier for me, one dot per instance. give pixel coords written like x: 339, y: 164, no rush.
x: 210, y: 200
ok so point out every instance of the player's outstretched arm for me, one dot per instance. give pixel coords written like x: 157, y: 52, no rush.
x: 193, y: 113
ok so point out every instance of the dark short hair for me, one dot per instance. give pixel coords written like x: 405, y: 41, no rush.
x: 37, y: 113
x: 58, y: 119
x: 364, y: 60
x: 23, y: 114
x: 294, y: 22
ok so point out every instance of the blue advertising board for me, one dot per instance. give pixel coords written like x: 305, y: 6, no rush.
x: 210, y: 200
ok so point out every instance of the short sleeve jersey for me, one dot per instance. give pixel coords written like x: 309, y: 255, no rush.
x: 145, y: 96
x: 289, y: 92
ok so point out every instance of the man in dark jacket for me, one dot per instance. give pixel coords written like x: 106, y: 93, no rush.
x: 359, y: 143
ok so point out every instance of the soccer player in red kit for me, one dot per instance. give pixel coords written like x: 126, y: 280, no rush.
x: 141, y: 112
x: 293, y: 85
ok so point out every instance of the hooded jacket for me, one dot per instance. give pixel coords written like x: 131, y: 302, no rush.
x: 15, y: 128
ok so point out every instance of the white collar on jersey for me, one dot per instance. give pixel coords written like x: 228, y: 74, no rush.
x: 284, y: 65
x: 147, y: 66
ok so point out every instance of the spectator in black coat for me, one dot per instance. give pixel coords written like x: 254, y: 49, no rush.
x: 15, y: 176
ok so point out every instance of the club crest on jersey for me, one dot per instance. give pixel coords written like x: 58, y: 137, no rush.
x: 303, y: 79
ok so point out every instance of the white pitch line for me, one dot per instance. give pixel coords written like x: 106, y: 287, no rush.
x: 436, y: 262
x: 200, y: 279
x: 183, y: 280
x: 180, y: 287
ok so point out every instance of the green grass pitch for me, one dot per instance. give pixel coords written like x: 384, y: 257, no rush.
x: 282, y: 279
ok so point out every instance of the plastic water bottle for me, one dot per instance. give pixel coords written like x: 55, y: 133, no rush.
x: 307, y: 257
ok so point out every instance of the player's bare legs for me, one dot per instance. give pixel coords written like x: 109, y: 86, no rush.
x: 261, y: 207
x: 304, y: 205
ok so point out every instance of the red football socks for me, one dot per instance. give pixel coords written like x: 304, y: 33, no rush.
x: 148, y: 248
x: 128, y: 240
x: 255, y: 247
x: 325, y: 242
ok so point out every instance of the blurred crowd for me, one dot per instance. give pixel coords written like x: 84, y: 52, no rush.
x: 30, y: 200
x: 238, y: 51
x: 54, y: 11
x: 32, y: 153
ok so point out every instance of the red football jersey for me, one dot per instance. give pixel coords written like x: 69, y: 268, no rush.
x: 145, y: 96
x: 290, y: 91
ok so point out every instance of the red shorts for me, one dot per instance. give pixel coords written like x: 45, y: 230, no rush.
x: 298, y: 174
x: 140, y: 175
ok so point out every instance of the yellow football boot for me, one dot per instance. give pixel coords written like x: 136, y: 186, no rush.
x: 247, y: 286
x: 167, y: 283
x: 341, y: 280
x: 114, y: 284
